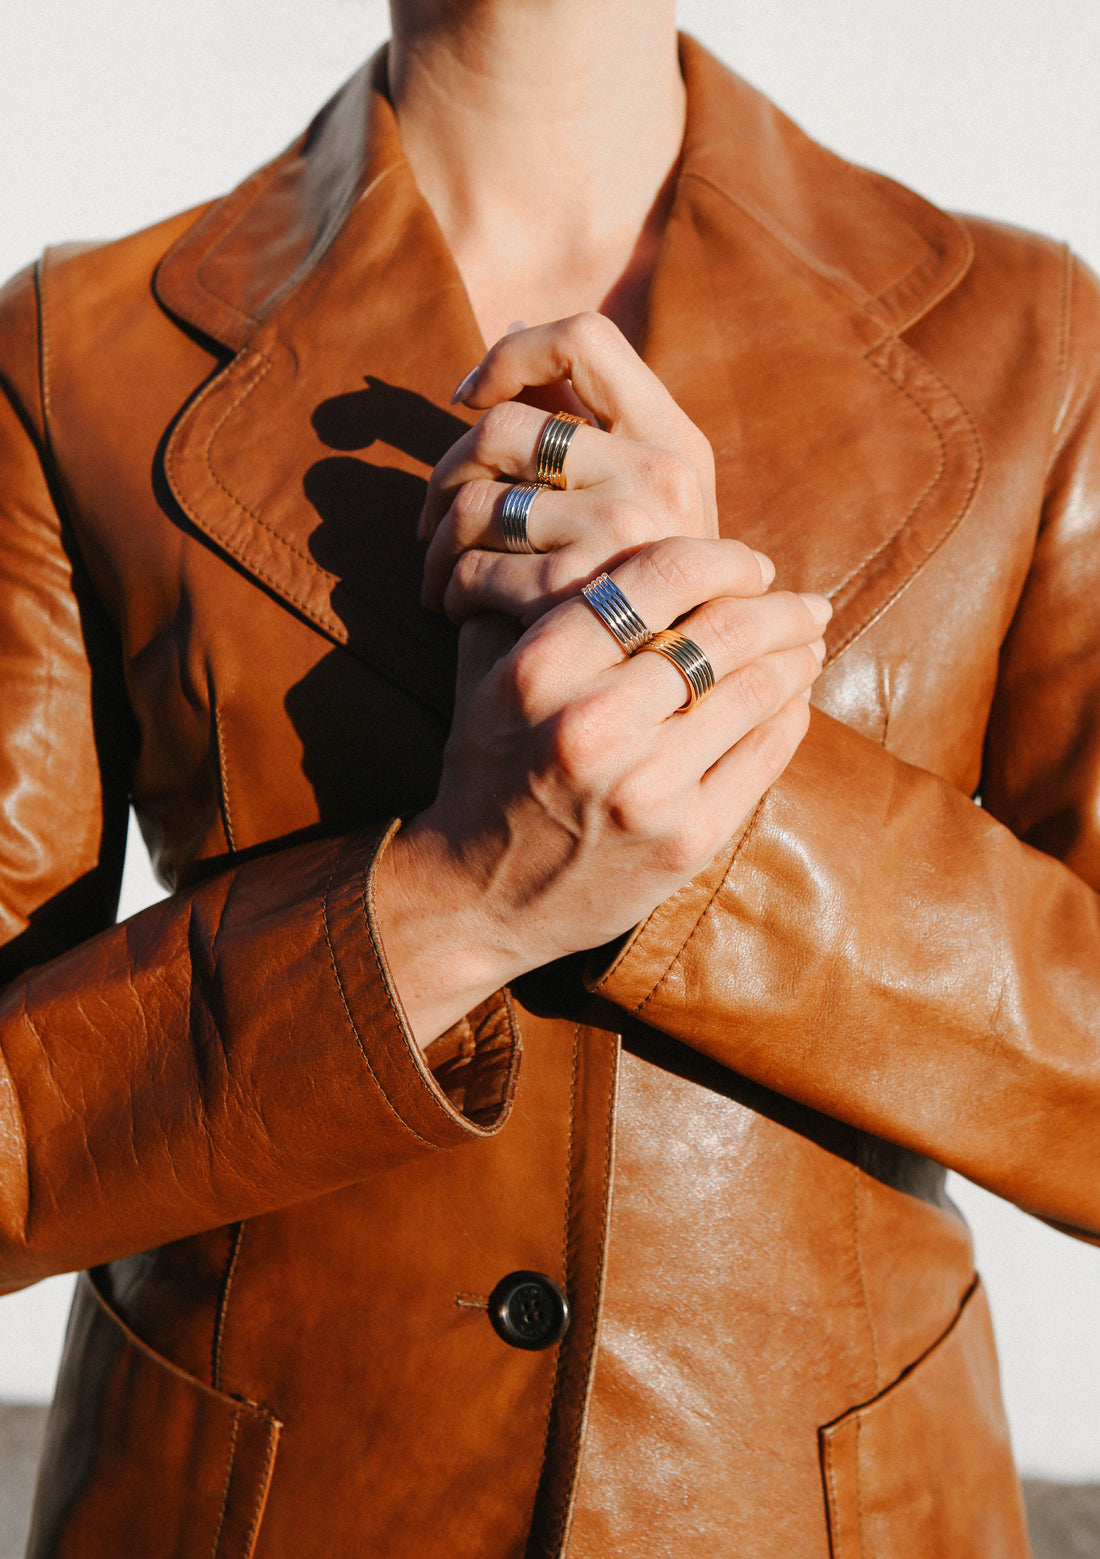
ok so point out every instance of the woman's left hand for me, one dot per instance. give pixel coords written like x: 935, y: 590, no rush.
x: 646, y: 473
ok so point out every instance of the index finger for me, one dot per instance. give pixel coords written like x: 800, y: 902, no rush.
x: 606, y: 373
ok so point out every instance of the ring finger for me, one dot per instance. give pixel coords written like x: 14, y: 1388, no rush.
x: 505, y: 443
x: 741, y: 700
x: 740, y: 640
x: 599, y: 524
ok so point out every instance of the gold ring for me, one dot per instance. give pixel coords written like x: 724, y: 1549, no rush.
x: 554, y: 442
x: 689, y: 661
x: 616, y: 613
x: 514, y: 513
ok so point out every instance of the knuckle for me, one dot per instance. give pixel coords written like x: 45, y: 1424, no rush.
x: 758, y: 688
x: 526, y: 675
x: 676, y: 483
x: 700, y: 451
x: 773, y: 751
x: 781, y: 736
x: 576, y: 745
x: 590, y: 332
x: 624, y: 523
x: 482, y: 439
x: 678, y: 567
x: 557, y: 573
x: 466, y: 507
x: 496, y: 431
x: 687, y: 849
x: 632, y: 803
x: 734, y: 630
x: 466, y: 585
x: 469, y: 569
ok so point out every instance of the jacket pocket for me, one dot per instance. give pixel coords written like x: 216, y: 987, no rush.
x: 141, y: 1458
x: 925, y: 1470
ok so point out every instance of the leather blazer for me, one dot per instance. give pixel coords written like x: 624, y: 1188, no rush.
x: 723, y: 1140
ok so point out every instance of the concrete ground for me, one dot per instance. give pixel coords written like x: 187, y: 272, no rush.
x: 1064, y: 1517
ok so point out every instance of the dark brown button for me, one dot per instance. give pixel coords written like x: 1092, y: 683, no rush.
x: 529, y: 1310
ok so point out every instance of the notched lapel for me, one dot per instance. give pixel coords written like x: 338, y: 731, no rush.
x: 839, y: 451
x: 775, y: 318
x: 307, y: 459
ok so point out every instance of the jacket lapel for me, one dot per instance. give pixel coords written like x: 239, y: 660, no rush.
x: 306, y: 459
x: 774, y: 319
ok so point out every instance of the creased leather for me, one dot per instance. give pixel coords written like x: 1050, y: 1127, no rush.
x: 214, y: 440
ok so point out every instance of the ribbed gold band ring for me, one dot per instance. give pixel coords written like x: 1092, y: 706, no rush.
x: 689, y: 661
x: 616, y: 613
x: 514, y: 513
x: 554, y: 442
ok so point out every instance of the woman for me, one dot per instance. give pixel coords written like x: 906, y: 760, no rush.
x: 429, y: 1267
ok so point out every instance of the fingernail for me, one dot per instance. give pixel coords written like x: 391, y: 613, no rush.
x: 818, y: 647
x: 767, y: 567
x: 517, y: 324
x: 820, y: 609
x: 466, y: 386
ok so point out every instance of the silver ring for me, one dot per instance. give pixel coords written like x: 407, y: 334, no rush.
x: 616, y: 613
x: 514, y: 513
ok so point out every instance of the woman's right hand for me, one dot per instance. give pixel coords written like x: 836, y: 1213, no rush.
x: 575, y: 795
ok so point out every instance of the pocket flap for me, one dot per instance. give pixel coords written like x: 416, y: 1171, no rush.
x: 925, y: 1470
x: 141, y: 1458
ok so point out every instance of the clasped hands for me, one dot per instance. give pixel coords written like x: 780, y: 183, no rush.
x: 575, y: 796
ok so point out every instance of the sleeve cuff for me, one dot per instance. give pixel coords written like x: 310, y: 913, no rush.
x: 463, y: 1084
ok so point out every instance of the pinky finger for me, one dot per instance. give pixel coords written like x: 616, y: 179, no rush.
x: 735, y: 784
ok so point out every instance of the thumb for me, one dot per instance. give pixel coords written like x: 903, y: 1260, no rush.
x: 560, y: 396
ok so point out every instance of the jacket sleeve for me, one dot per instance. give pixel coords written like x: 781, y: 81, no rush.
x: 876, y: 946
x: 229, y: 1051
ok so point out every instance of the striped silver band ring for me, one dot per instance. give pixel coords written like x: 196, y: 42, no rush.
x: 616, y: 613
x: 689, y: 661
x: 514, y: 515
x: 554, y: 442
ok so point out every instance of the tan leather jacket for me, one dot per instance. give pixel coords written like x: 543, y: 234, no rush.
x: 208, y: 600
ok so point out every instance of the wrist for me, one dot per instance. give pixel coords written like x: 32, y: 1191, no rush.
x: 444, y: 953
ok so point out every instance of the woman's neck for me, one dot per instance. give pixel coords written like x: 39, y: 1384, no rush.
x: 543, y: 134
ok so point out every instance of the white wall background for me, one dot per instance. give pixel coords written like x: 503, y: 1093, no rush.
x: 115, y: 113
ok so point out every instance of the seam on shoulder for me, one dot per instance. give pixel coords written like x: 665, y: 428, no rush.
x: 44, y: 358
x: 1064, y: 328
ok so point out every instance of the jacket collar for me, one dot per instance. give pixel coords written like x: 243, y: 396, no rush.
x: 774, y: 318
x: 876, y: 241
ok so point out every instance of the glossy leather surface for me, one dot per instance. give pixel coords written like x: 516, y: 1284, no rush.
x: 213, y: 443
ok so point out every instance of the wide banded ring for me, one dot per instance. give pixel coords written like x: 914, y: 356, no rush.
x: 554, y: 441
x: 514, y: 513
x: 689, y: 661
x: 616, y: 613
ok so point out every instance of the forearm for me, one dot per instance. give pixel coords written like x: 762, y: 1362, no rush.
x: 903, y: 964
x: 230, y: 1051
